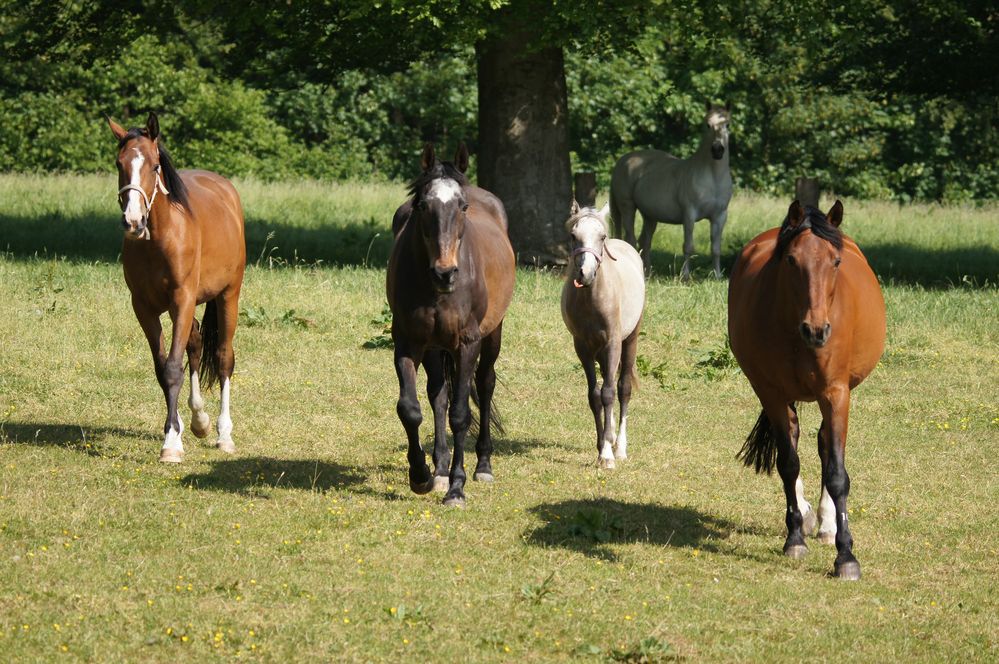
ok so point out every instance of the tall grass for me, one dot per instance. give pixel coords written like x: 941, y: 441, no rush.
x: 308, y: 544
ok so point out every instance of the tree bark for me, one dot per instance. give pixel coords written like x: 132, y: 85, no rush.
x: 524, y: 140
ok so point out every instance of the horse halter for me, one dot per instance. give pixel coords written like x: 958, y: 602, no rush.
x: 147, y: 200
x: 587, y: 250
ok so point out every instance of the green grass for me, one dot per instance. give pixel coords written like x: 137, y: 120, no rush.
x: 308, y: 545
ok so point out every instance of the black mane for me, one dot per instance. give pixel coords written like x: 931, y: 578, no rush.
x: 171, y: 177
x: 816, y: 222
x: 440, y: 169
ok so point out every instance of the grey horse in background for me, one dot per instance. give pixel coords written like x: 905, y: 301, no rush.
x: 670, y: 190
x: 602, y: 304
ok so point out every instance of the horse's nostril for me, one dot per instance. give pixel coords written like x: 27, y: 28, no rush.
x: 124, y: 222
x: 806, y: 331
x: 826, y: 329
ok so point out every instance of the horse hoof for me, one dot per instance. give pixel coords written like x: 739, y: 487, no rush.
x: 848, y: 571
x: 226, y: 446
x: 421, y: 488
x: 201, y: 426
x: 171, y: 455
x: 441, y: 484
x: 483, y: 477
x: 606, y: 464
x: 809, y: 523
x: 454, y: 501
x: 826, y: 537
x: 796, y: 551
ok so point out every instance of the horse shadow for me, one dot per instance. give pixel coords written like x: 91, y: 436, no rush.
x: 591, y: 526
x: 89, y: 440
x: 256, y: 476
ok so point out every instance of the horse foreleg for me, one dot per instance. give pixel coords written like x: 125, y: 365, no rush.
x: 408, y: 409
x: 149, y: 321
x: 200, y: 422
x: 228, y: 315
x: 783, y: 422
x: 460, y: 418
x: 182, y: 316
x: 485, y: 384
x: 827, y: 509
x: 433, y: 362
x: 807, y: 513
x: 835, y: 407
x: 688, y: 245
x: 629, y: 350
x: 593, y: 397
x: 610, y: 361
x: 717, y: 225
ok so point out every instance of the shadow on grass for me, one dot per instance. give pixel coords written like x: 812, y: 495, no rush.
x: 893, y: 262
x: 85, y: 439
x: 252, y: 475
x: 89, y: 236
x: 590, y: 526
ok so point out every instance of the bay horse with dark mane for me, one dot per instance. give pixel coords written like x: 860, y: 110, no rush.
x: 806, y: 320
x: 450, y: 281
x: 183, y: 246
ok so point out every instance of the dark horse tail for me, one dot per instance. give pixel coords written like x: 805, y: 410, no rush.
x: 450, y: 371
x: 209, y: 371
x: 760, y: 449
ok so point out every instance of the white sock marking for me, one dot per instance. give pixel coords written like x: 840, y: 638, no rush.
x: 799, y: 492
x: 621, y: 446
x: 225, y: 421
x: 827, y: 513
x: 173, y: 440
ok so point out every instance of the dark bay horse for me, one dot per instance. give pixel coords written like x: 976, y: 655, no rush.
x: 806, y: 320
x: 183, y: 246
x: 450, y: 281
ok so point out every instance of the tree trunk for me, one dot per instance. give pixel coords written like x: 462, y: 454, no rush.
x: 524, y: 140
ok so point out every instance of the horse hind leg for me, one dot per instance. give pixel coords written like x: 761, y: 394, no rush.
x: 835, y: 408
x: 807, y: 513
x: 688, y: 247
x: 460, y: 418
x: 485, y: 385
x: 783, y: 422
x: 645, y: 242
x: 227, y: 315
x: 610, y: 362
x: 201, y: 424
x: 717, y: 226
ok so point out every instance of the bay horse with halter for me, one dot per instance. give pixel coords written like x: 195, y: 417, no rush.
x: 806, y: 320
x: 666, y: 189
x: 450, y: 280
x: 183, y: 246
x: 602, y: 305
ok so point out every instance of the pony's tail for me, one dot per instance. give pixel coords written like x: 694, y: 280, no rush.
x: 495, y: 421
x: 209, y: 371
x: 760, y: 449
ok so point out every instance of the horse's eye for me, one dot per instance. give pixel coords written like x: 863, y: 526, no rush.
x: 464, y: 207
x: 790, y: 260
x: 838, y: 261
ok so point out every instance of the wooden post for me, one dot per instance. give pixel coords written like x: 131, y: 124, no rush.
x: 806, y: 190
x: 586, y: 189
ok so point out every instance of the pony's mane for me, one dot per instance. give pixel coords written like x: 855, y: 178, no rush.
x: 586, y: 212
x: 814, y: 221
x: 171, y: 177
x: 440, y: 169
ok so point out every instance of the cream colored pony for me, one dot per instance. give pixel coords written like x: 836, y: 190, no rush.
x: 602, y: 304
x: 676, y: 191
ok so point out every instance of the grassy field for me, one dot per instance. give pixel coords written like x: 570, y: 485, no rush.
x: 308, y: 544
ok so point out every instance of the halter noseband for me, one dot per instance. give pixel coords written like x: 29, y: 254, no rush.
x: 587, y: 250
x: 147, y: 200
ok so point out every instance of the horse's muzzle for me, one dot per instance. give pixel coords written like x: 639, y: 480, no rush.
x: 717, y: 150
x: 815, y: 337
x: 444, y: 279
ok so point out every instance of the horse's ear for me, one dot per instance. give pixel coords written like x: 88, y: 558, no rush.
x: 428, y: 158
x: 604, y: 211
x: 574, y: 208
x: 835, y: 214
x: 153, y: 126
x: 116, y: 129
x: 795, y: 214
x: 461, y: 157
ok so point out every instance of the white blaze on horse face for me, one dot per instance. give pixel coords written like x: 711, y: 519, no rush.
x: 135, y: 210
x: 444, y: 190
